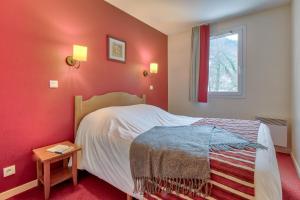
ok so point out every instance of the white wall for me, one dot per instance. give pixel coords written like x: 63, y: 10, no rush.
x: 296, y: 80
x: 267, y: 70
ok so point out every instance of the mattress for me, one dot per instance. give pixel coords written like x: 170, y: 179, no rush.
x: 106, y: 135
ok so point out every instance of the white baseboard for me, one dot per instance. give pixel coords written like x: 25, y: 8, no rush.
x: 17, y: 190
x: 297, y: 166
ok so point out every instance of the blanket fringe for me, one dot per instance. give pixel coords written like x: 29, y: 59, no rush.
x: 195, y: 187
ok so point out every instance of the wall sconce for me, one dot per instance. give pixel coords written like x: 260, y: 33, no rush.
x: 79, y: 54
x: 153, y: 69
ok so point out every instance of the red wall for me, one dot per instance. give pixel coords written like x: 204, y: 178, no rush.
x: 35, y: 38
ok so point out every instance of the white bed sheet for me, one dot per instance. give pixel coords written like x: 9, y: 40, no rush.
x: 106, y: 134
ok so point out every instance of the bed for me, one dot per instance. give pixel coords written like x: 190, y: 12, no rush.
x: 106, y: 125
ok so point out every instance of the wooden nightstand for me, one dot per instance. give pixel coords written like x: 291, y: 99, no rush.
x: 52, y: 177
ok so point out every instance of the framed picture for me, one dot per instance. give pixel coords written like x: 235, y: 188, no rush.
x: 116, y: 49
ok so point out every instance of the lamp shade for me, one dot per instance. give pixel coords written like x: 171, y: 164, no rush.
x: 153, y: 68
x: 79, y: 53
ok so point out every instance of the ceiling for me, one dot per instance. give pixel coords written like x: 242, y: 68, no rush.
x: 173, y: 16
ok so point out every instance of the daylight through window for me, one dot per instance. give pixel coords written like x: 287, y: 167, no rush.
x: 226, y: 63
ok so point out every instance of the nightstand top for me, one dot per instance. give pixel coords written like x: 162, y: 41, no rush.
x: 43, y: 155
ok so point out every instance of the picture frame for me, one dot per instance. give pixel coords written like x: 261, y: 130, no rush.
x: 116, y: 49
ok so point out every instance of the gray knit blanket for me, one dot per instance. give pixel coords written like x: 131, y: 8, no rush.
x: 179, y: 154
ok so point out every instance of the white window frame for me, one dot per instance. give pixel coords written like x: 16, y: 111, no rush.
x: 241, y: 31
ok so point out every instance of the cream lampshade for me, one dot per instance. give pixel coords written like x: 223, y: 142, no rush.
x: 153, y: 68
x: 79, y: 54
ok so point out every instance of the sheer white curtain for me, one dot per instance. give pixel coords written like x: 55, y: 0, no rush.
x: 195, y: 63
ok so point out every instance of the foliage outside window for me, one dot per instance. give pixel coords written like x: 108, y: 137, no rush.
x: 226, y: 66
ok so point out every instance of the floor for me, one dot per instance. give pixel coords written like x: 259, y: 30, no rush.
x: 92, y: 188
x: 89, y: 188
x: 289, y: 179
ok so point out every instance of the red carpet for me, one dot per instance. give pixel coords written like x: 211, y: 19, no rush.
x: 289, y: 179
x: 92, y: 188
x: 89, y: 188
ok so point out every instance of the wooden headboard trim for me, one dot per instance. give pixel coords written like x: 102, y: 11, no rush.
x: 84, y: 107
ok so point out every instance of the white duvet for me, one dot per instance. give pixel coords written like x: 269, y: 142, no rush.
x: 106, y: 134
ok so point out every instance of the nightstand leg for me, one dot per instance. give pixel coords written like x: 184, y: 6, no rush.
x: 74, y: 168
x: 129, y: 197
x: 38, y: 171
x: 47, y: 179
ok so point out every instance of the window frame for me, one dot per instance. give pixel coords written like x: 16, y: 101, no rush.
x: 241, y: 31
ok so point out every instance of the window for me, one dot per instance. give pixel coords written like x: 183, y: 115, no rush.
x: 226, y: 63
